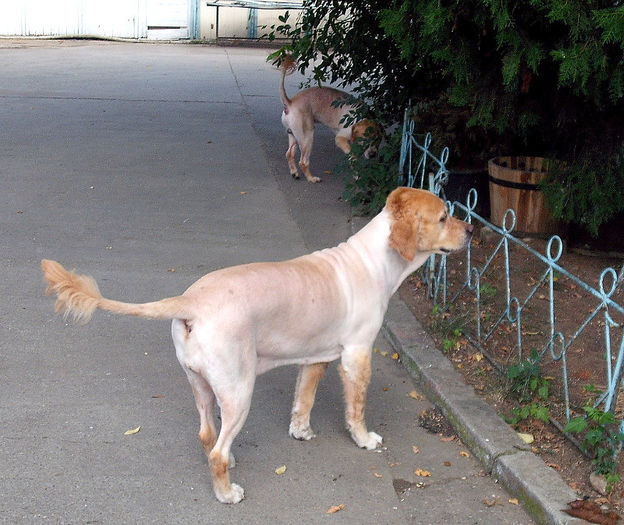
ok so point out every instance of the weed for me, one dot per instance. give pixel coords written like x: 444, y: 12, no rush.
x: 529, y: 386
x: 448, y: 327
x: 487, y: 291
x: 527, y: 382
x: 601, y: 439
x: 533, y: 411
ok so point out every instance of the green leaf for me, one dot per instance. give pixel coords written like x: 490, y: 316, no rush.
x: 576, y: 425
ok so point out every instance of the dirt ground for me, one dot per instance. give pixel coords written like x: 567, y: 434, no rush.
x: 585, y: 359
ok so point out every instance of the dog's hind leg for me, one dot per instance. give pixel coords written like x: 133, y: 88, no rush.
x: 204, y: 399
x: 290, y: 155
x: 234, y: 410
x: 232, y: 382
x: 355, y: 370
x: 305, y: 390
x: 205, y: 402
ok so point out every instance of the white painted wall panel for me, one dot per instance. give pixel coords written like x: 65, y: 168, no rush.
x: 105, y: 18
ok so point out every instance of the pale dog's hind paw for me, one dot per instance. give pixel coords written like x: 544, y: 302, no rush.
x: 303, y: 434
x: 235, y: 494
x: 371, y: 442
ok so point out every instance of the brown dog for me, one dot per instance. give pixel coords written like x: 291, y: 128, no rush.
x: 238, y: 322
x: 320, y: 104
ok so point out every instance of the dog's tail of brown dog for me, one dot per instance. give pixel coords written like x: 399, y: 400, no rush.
x: 80, y: 296
x: 287, y: 66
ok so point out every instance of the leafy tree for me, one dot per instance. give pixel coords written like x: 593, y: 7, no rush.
x: 534, y: 77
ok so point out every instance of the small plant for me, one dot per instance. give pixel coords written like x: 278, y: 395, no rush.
x: 487, y: 291
x: 448, y: 327
x: 526, y: 379
x: 530, y: 387
x: 601, y: 440
x: 531, y: 411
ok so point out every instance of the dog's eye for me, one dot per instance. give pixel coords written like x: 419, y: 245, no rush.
x: 443, y: 218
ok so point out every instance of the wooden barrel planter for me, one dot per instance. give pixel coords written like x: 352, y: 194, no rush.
x: 514, y: 183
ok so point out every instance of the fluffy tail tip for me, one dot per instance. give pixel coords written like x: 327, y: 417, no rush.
x: 287, y: 64
x: 77, y: 295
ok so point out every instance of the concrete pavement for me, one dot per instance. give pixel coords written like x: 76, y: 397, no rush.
x: 148, y: 166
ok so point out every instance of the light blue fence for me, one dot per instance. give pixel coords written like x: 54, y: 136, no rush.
x: 598, y: 330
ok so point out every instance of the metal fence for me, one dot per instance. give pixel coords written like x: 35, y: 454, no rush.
x: 518, y: 314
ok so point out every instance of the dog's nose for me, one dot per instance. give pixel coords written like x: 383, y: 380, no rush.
x: 469, y: 229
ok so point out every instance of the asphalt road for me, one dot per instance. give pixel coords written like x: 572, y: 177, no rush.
x: 148, y: 166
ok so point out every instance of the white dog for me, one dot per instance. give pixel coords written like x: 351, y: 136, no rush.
x: 238, y: 322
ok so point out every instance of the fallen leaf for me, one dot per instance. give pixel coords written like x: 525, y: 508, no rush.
x: 590, y: 511
x: 385, y: 389
x: 414, y: 394
x: 132, y: 431
x: 447, y: 463
x: 395, y: 356
x: 464, y: 453
x: 280, y: 470
x: 478, y: 356
x: 415, y: 449
x: 243, y: 193
x: 377, y: 475
x: 490, y: 502
x: 158, y: 396
x: 384, y: 353
x: 527, y: 438
x: 422, y: 473
x: 553, y: 465
x: 514, y: 501
x: 376, y: 350
x: 447, y: 439
x: 171, y: 270
x: 335, y: 508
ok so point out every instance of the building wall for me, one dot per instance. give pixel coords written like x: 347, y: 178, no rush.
x: 136, y: 19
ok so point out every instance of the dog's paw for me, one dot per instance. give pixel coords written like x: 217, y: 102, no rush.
x: 301, y: 433
x: 371, y: 442
x: 234, y: 495
x: 314, y: 179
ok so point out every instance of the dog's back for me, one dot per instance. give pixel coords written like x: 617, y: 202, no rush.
x: 327, y: 105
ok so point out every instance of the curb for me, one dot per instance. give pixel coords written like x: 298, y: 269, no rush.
x: 503, y: 454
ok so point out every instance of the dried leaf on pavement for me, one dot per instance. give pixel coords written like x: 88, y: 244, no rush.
x: 132, y: 431
x: 335, y: 508
x: 280, y: 470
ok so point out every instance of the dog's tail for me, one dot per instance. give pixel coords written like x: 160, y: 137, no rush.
x: 287, y: 66
x: 80, y: 296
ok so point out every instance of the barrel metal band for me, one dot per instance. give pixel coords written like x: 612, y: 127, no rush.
x: 514, y: 185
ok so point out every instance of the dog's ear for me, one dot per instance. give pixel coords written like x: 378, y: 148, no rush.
x: 404, y: 234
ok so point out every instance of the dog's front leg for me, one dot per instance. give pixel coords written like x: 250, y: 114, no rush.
x: 305, y: 391
x: 355, y: 370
